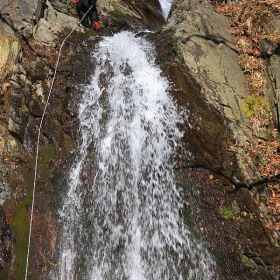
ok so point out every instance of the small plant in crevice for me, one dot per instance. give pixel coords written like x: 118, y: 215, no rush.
x: 258, y: 110
x: 255, y: 106
x: 230, y: 213
x: 248, y: 261
x: 175, y: 47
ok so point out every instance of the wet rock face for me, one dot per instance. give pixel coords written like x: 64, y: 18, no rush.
x: 58, y: 136
x: 230, y: 222
x: 7, y: 240
x: 228, y: 217
x: 205, y: 130
x: 198, y: 56
x: 26, y: 73
x: 129, y: 15
x: 149, y: 11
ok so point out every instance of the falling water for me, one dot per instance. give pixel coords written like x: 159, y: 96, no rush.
x: 165, y: 7
x: 121, y: 213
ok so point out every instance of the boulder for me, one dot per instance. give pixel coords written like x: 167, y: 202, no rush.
x: 52, y: 24
x: 206, y: 47
x: 61, y: 6
x: 204, y: 50
x: 19, y: 16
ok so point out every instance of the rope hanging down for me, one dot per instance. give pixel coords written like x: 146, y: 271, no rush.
x: 38, y: 139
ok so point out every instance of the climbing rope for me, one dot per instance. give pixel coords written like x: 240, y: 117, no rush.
x: 38, y: 141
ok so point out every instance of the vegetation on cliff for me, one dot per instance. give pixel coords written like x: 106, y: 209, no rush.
x: 247, y: 22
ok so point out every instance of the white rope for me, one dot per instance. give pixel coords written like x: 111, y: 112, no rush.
x: 38, y: 139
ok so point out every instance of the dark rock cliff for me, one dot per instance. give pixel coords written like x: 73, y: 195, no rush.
x: 198, y: 55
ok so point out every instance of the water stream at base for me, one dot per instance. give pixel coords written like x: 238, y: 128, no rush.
x: 120, y: 216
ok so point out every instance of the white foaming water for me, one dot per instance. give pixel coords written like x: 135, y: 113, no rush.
x: 121, y: 214
x: 165, y: 7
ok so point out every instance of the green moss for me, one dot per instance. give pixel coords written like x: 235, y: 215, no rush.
x: 20, y: 223
x: 229, y: 213
x: 19, y: 178
x: 274, y: 241
x: 247, y: 261
x: 4, y: 274
x: 263, y: 198
x: 175, y: 47
x: 46, y: 154
x: 255, y: 106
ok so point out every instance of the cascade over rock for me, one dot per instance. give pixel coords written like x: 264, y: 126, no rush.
x: 197, y: 54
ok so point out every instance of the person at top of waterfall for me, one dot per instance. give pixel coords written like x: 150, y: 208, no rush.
x: 87, y: 11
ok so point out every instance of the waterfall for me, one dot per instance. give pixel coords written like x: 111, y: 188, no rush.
x: 165, y: 7
x: 121, y: 214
